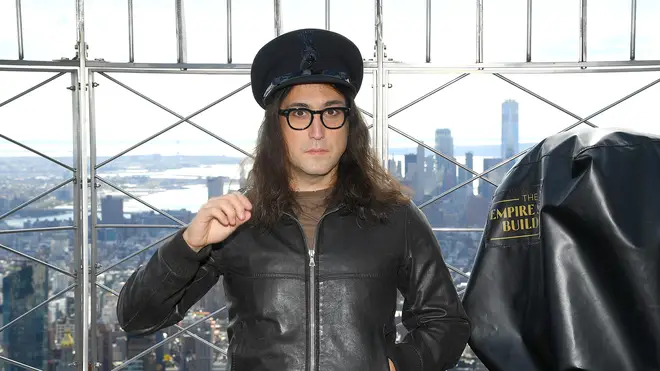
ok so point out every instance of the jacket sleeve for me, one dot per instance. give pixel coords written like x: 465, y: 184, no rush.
x: 433, y: 314
x: 159, y: 294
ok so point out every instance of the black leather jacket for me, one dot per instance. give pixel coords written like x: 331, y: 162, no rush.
x: 326, y: 311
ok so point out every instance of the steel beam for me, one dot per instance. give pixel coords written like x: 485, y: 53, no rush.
x: 31, y: 89
x: 32, y: 200
x: 32, y: 230
x: 192, y: 334
x: 77, y: 216
x: 458, y: 230
x: 428, y: 31
x: 53, y: 297
x: 513, y: 83
x: 35, y: 260
x: 138, y: 199
x: 613, y: 104
x: 93, y: 298
x: 168, y: 339
x: 540, y: 67
x: 327, y: 14
x: 480, y: 31
x: 380, y: 125
x: 137, y: 226
x: 19, y: 364
x: 19, y: 30
x: 393, y: 66
x: 131, y: 28
x: 83, y: 144
x: 229, y: 33
x: 583, y: 30
x: 131, y: 256
x: 528, y: 55
x: 277, y: 14
x: 183, y: 119
x: 181, y: 40
x: 36, y: 152
x: 432, y: 92
x: 68, y: 64
x: 163, y: 107
x: 633, y: 28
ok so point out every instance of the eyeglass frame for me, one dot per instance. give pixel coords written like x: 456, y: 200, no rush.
x: 286, y: 112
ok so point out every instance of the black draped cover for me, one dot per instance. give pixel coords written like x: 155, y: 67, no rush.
x: 567, y: 276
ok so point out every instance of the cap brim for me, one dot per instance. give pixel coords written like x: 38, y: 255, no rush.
x: 308, y: 79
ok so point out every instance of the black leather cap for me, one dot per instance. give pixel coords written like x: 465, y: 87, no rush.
x: 302, y: 57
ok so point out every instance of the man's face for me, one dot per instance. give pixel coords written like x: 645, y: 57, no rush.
x: 315, y: 151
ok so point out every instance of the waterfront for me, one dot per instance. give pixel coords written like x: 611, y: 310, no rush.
x: 190, y: 197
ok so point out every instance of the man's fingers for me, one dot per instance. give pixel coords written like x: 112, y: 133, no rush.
x: 219, y: 215
x: 238, y: 206
x: 244, y: 202
x: 231, y: 205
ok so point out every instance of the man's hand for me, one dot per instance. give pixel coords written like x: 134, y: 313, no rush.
x: 217, y: 219
x: 392, y: 368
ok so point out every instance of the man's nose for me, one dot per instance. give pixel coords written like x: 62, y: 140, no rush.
x: 316, y: 130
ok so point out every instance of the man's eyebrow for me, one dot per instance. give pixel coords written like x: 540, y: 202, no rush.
x: 298, y: 104
x: 334, y: 103
x: 329, y: 103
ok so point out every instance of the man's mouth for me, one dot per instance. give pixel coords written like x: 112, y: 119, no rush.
x: 316, y: 151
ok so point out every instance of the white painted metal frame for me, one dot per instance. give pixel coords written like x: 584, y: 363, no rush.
x: 83, y: 74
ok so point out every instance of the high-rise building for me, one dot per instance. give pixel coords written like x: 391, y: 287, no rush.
x: 509, y: 129
x: 26, y: 341
x: 112, y: 210
x: 215, y: 186
x: 444, y: 143
x: 464, y: 175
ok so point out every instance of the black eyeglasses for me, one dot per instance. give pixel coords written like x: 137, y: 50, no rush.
x: 301, y: 118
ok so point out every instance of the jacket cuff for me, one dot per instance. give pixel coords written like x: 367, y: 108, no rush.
x: 405, y: 357
x: 181, y: 260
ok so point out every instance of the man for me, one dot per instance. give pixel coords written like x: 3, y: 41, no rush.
x: 312, y: 254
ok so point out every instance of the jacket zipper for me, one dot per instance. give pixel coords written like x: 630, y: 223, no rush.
x: 311, y: 311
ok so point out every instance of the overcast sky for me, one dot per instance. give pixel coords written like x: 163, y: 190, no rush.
x: 470, y: 108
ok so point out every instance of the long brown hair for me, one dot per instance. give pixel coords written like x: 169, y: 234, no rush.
x: 362, y: 186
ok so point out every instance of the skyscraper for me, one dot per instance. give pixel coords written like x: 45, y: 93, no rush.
x: 509, y: 128
x: 215, y: 186
x: 444, y: 143
x: 26, y: 341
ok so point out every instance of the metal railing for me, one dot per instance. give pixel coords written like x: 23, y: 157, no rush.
x: 85, y: 270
